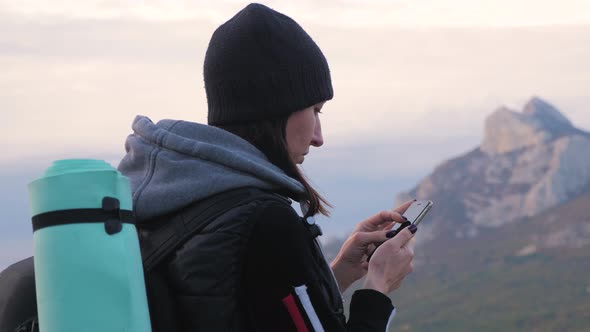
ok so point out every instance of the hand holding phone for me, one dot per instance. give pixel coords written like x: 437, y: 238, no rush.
x: 414, y: 214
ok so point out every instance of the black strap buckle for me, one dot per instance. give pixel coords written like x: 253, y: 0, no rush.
x: 313, y: 228
x: 112, y: 206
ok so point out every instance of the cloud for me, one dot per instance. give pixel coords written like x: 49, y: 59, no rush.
x: 58, y: 38
x: 76, y: 84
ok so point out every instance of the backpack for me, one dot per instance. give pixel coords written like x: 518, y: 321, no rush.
x: 18, y: 303
x: 158, y: 239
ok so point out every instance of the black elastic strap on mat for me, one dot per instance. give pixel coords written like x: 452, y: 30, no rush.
x: 108, y: 213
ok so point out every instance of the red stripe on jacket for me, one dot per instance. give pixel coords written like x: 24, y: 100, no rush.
x: 289, y: 302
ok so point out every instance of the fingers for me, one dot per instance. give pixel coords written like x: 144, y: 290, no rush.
x: 402, y: 208
x: 397, y: 217
x: 392, y: 262
x: 364, y: 239
x: 380, y: 221
x: 402, y: 238
x: 410, y: 245
x: 365, y: 265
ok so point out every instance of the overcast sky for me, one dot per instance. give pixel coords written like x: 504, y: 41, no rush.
x: 414, y: 80
x: 75, y: 73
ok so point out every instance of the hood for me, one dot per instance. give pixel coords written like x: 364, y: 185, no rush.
x: 173, y: 163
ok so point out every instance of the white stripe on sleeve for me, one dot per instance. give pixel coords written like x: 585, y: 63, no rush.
x: 390, y: 319
x: 301, y: 292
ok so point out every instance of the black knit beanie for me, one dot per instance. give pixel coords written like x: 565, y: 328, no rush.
x: 260, y: 65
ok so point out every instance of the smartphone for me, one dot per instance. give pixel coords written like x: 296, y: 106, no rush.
x: 417, y: 211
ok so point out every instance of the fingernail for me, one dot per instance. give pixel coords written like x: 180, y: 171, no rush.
x: 413, y: 228
x: 390, y: 233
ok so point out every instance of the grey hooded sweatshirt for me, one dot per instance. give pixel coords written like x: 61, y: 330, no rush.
x: 173, y: 163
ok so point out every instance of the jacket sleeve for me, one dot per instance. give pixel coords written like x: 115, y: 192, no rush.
x: 283, y: 287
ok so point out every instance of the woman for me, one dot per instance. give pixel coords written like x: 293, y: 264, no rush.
x: 257, y: 266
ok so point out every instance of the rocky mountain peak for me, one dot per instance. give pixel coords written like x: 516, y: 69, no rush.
x: 545, y: 112
x: 529, y: 161
x: 539, y: 122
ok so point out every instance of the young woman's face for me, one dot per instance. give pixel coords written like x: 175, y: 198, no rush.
x: 304, y: 130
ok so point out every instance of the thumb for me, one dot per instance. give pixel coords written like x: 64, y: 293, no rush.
x: 402, y: 238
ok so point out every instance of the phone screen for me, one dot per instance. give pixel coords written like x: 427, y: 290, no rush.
x: 416, y: 212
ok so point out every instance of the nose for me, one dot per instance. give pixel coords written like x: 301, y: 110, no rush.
x: 317, y: 139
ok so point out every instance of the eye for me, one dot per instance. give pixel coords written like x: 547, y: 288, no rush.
x: 317, y: 110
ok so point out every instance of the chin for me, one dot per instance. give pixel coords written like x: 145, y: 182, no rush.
x: 300, y: 160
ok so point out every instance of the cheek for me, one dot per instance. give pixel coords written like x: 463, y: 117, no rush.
x: 297, y: 141
x: 293, y: 139
x: 305, y: 134
x: 300, y: 131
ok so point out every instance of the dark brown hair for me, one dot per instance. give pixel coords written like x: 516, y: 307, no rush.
x: 269, y: 136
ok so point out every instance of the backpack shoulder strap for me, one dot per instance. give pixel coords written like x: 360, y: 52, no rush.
x: 161, y: 237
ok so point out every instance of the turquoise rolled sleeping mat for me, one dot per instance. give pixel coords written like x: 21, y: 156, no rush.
x: 88, y: 268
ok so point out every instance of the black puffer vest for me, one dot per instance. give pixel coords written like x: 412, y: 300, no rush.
x: 212, y: 277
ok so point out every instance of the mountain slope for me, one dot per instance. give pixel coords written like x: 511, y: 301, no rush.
x: 532, y: 275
